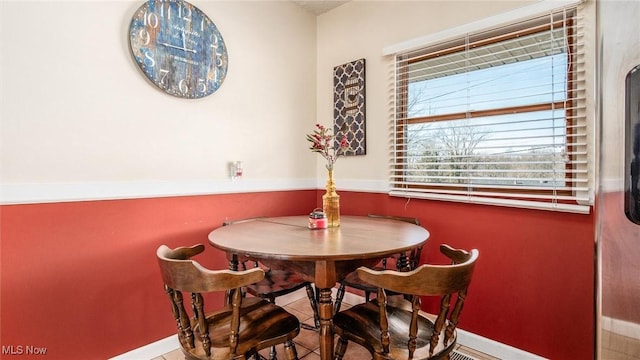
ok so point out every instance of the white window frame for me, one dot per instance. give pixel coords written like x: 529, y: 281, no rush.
x: 580, y: 199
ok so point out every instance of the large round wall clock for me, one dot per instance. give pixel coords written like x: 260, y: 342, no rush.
x: 178, y: 48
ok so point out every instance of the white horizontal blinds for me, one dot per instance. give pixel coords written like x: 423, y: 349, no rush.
x: 495, y: 117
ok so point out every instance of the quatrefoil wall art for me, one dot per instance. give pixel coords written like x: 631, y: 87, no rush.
x: 349, y: 105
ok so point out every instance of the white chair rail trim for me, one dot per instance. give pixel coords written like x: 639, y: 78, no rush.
x: 29, y: 193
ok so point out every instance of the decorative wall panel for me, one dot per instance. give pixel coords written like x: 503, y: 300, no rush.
x: 349, y: 105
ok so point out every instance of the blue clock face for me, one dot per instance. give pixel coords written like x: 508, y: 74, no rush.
x: 178, y: 48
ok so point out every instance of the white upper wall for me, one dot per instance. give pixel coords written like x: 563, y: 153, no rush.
x: 361, y: 29
x: 78, y: 120
x: 76, y: 110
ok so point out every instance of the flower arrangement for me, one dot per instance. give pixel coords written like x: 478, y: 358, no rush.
x: 327, y: 144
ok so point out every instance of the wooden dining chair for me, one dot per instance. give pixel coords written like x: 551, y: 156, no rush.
x: 276, y: 283
x: 394, y: 328
x: 402, y: 262
x: 236, y: 331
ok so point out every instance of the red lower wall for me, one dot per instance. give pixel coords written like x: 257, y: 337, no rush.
x: 80, y: 279
x: 533, y: 287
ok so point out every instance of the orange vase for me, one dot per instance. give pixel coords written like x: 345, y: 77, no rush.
x: 331, y: 202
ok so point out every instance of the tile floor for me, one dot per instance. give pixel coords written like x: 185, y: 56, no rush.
x: 307, y: 341
x: 619, y: 347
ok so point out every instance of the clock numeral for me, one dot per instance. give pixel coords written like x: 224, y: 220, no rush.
x: 144, y: 35
x: 163, y: 76
x: 151, y: 19
x: 182, y: 86
x: 187, y: 12
x: 218, y: 59
x: 216, y: 72
x: 148, y: 59
x: 202, y: 85
x: 168, y: 11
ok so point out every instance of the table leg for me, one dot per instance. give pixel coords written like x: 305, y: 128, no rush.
x: 325, y: 311
x: 233, y: 266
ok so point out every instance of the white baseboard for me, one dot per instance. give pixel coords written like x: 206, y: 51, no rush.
x: 620, y: 327
x: 465, y: 338
x: 493, y: 348
x: 151, y: 351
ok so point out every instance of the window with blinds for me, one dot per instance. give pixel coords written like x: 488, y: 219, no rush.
x: 495, y: 117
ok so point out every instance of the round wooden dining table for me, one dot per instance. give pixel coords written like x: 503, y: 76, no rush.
x: 322, y: 256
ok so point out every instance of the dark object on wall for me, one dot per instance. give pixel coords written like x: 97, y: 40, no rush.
x: 178, y: 48
x: 632, y: 146
x: 349, y: 105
